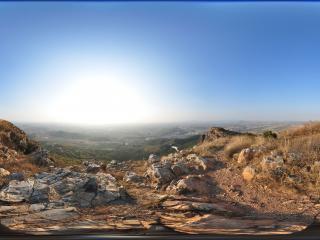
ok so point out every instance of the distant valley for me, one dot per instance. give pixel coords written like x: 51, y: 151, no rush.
x: 70, y: 144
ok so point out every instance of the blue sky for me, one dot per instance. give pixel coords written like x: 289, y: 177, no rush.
x: 159, y: 62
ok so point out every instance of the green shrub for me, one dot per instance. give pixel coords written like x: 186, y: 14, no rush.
x: 270, y: 134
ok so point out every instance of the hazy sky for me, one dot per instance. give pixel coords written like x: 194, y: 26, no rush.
x: 159, y: 62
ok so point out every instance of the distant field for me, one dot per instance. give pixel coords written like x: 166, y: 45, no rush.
x: 71, y: 144
x: 76, y: 152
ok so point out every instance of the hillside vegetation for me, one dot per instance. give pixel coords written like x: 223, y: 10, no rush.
x: 289, y: 158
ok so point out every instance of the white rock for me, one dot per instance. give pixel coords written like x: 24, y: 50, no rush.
x: 153, y: 158
x: 4, y: 172
x: 17, y: 191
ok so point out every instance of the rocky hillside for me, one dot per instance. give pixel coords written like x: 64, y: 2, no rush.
x: 229, y: 183
x: 15, y: 139
x: 18, y: 153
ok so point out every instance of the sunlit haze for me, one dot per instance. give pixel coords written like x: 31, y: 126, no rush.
x: 102, y: 63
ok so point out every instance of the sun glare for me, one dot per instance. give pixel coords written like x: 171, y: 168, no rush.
x: 100, y: 98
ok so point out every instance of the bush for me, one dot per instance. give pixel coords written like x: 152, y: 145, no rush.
x: 270, y: 134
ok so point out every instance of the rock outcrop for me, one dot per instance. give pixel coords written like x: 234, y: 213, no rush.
x: 41, y: 158
x: 69, y: 187
x: 174, y: 166
x: 218, y: 132
x: 160, y: 174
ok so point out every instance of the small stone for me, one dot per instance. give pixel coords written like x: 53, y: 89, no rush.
x: 153, y: 158
x: 248, y: 173
x: 132, y: 177
x: 4, y: 172
x: 93, y: 168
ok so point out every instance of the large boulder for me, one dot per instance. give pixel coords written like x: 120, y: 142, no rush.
x: 160, y: 174
x: 175, y: 166
x: 199, y: 163
x: 83, y: 189
x: 89, y: 190
x: 193, y: 184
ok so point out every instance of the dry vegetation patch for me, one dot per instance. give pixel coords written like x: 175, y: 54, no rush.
x: 311, y: 128
x: 237, y: 143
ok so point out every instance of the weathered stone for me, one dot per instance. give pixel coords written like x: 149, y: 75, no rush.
x: 153, y: 158
x: 132, y: 178
x: 17, y: 191
x: 93, y: 168
x: 74, y: 188
x: 16, y: 176
x: 182, y: 205
x: 42, y: 217
x: 40, y: 193
x: 160, y: 174
x: 199, y: 163
x: 271, y: 163
x: 180, y: 169
x: 41, y: 158
x: 4, y: 172
x: 215, y: 224
x: 245, y: 155
x: 194, y: 183
x: 37, y: 207
x: 113, y: 162
x: 248, y: 173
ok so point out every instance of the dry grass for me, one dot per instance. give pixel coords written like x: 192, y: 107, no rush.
x: 306, y: 146
x: 300, y: 148
x: 303, y: 140
x: 237, y: 143
x: 21, y: 165
x: 311, y: 128
x: 209, y: 148
x: 28, y: 169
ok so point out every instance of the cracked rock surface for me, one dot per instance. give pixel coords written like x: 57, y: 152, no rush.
x: 62, y: 184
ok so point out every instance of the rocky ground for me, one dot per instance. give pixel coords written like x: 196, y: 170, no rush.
x: 189, y: 191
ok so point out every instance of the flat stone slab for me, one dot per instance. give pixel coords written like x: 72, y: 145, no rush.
x: 215, y: 224
x: 46, y: 217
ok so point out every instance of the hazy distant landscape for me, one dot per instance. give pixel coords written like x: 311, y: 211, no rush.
x: 72, y: 143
